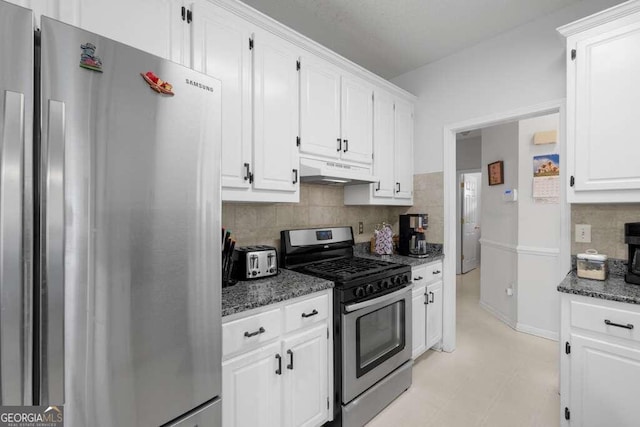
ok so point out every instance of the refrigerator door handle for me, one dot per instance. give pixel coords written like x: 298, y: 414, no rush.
x: 52, y: 335
x: 11, y: 315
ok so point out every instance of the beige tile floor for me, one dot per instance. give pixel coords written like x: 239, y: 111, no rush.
x: 495, y: 377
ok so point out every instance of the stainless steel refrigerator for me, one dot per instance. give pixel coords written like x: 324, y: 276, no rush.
x: 109, y: 229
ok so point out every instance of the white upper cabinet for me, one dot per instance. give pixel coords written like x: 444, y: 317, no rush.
x: 404, y: 150
x: 260, y: 86
x: 319, y: 108
x: 393, y: 155
x: 275, y: 78
x: 357, y: 120
x: 155, y: 26
x: 384, y: 145
x: 336, y: 113
x: 223, y: 50
x: 602, y: 106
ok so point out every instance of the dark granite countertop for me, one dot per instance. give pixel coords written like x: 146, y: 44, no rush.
x: 401, y: 259
x: 435, y: 254
x: 249, y: 294
x: 613, y: 289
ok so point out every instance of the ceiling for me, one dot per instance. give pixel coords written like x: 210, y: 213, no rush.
x: 391, y: 37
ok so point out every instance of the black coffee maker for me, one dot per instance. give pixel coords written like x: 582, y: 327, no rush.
x: 412, y: 241
x: 632, y: 238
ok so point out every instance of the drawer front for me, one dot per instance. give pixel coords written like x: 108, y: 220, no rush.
x: 434, y: 272
x: 419, y: 276
x: 306, y: 312
x: 249, y: 332
x: 606, y: 320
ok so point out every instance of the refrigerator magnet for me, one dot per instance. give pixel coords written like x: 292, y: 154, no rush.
x: 88, y: 58
x: 157, y: 84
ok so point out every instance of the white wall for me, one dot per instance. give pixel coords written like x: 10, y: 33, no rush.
x: 520, y: 68
x: 499, y: 224
x: 538, y: 239
x: 468, y: 153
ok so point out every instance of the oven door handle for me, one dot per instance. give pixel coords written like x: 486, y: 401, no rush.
x: 375, y: 301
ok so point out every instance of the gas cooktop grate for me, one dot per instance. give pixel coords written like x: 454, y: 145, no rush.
x: 348, y: 268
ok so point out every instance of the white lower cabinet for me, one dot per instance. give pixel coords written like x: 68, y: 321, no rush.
x: 251, y: 389
x: 600, y: 363
x: 426, y: 307
x: 281, y: 373
x: 418, y: 313
x: 305, y: 391
x: 434, y: 313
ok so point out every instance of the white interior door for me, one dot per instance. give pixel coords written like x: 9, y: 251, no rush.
x: 470, y: 221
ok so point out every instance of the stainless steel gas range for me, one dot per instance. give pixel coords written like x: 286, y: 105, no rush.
x: 372, y: 319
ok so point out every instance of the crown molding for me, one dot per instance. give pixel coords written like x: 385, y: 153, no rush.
x: 599, y: 18
x: 267, y: 23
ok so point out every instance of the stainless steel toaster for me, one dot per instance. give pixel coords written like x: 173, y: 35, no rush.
x: 255, y: 262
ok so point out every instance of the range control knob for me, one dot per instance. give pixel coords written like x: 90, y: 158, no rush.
x: 369, y: 289
x: 254, y: 273
x: 405, y: 278
x: 396, y: 280
x: 386, y: 284
x: 359, y: 292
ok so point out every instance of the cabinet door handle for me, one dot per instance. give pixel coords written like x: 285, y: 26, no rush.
x: 184, y: 13
x: 397, y: 187
x: 247, y: 172
x: 253, y: 334
x: 295, y: 176
x: 313, y: 313
x: 339, y: 145
x: 346, y: 145
x: 432, y: 297
x: 189, y: 16
x: 290, y: 365
x: 378, y: 186
x: 418, y: 278
x: 610, y: 323
x: 437, y: 272
x: 426, y: 299
x: 279, y: 370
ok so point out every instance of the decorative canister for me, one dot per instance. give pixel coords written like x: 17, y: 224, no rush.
x: 384, y: 239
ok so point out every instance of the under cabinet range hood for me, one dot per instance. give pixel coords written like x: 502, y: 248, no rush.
x: 334, y: 173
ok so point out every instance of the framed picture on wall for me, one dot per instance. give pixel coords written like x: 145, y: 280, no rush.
x: 496, y: 172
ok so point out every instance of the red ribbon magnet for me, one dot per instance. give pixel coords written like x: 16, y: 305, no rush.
x: 157, y: 83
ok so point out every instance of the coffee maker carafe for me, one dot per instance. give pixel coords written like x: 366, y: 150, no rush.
x: 412, y: 240
x: 632, y: 239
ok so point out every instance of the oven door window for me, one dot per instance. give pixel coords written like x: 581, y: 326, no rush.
x: 379, y: 335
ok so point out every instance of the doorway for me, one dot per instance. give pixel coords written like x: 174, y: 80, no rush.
x: 469, y: 221
x: 451, y: 196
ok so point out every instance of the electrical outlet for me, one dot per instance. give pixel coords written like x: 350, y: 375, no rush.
x: 360, y: 228
x: 583, y: 233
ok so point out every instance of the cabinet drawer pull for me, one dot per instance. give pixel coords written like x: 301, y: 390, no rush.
x: 432, y: 296
x: 290, y: 365
x: 253, y: 334
x: 339, y: 145
x: 418, y: 278
x: 610, y: 323
x: 313, y: 313
x: 279, y: 370
x: 437, y: 272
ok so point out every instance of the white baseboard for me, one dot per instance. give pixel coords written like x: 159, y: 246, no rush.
x: 498, y: 315
x: 542, y: 333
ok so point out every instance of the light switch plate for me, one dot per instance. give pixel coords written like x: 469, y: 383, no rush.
x: 583, y: 233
